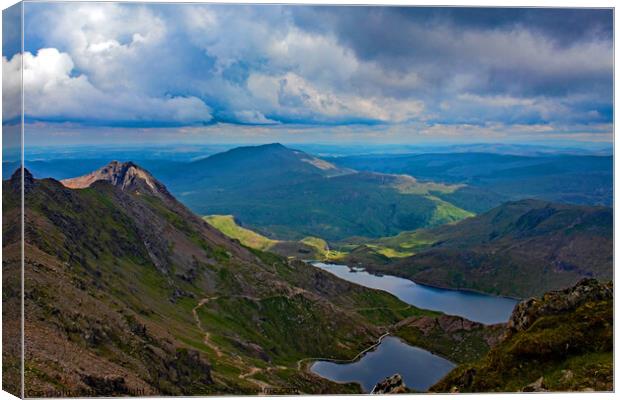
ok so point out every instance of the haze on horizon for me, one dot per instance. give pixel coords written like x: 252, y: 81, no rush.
x: 190, y: 73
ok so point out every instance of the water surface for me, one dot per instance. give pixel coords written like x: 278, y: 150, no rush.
x: 473, y: 306
x: 419, y: 368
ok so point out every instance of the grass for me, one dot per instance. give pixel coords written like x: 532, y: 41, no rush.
x: 229, y: 227
x: 579, y: 341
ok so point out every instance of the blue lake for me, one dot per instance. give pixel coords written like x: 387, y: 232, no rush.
x: 419, y: 368
x: 473, y: 306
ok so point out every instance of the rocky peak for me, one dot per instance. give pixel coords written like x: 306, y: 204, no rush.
x: 127, y: 176
x: 16, y: 180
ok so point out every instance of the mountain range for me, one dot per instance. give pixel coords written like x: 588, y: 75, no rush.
x: 127, y: 291
x: 287, y: 194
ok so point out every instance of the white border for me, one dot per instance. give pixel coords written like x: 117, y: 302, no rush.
x: 480, y: 3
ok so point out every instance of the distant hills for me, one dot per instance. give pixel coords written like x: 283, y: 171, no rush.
x: 288, y: 194
x: 519, y: 249
x: 566, y: 178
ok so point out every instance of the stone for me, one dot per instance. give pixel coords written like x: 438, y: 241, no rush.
x: 536, y: 386
x: 390, y: 385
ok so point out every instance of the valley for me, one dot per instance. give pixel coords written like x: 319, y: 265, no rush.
x: 169, y: 305
x: 245, y: 305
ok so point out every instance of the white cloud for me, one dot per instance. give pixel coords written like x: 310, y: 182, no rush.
x: 253, y: 117
x: 50, y: 90
x: 295, y: 96
x: 257, y: 65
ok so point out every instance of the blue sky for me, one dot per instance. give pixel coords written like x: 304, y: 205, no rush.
x: 104, y: 73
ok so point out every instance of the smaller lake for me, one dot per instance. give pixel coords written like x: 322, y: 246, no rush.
x: 419, y: 368
x: 473, y: 306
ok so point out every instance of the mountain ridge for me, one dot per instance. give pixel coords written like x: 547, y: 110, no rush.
x: 128, y: 291
x: 519, y: 249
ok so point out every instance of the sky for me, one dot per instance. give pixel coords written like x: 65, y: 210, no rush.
x: 142, y: 73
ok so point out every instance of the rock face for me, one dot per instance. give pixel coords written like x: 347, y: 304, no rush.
x: 562, y: 341
x: 390, y: 385
x: 556, y: 302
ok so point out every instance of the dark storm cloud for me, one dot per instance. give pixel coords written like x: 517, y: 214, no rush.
x: 440, y: 42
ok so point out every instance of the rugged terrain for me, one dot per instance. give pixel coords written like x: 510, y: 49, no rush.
x: 562, y: 341
x: 518, y: 249
x: 128, y: 292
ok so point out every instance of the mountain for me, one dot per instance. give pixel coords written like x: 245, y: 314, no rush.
x: 128, y: 176
x: 518, y: 249
x: 565, y: 178
x: 128, y: 292
x: 287, y: 194
x: 561, y: 342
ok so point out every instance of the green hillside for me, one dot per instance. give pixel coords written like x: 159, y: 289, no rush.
x: 308, y: 248
x: 491, y: 179
x: 286, y: 194
x: 519, y: 249
x: 227, y: 225
x: 560, y: 342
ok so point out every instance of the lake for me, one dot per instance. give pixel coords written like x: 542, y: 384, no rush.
x: 419, y: 368
x: 473, y: 306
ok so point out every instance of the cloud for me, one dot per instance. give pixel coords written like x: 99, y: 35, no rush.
x: 51, y: 90
x: 268, y: 64
x: 253, y: 117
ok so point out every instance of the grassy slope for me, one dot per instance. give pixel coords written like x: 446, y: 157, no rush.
x: 571, y: 350
x: 227, y: 225
x: 519, y: 249
x: 306, y: 248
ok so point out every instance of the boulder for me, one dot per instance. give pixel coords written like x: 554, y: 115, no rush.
x: 390, y: 385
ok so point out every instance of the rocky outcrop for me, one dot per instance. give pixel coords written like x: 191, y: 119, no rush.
x: 557, y: 302
x: 390, y: 385
x: 562, y: 341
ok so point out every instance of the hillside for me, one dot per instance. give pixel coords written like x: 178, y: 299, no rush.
x: 494, y: 178
x: 287, y: 194
x: 560, y: 342
x: 129, y: 292
x: 519, y: 249
x: 308, y: 248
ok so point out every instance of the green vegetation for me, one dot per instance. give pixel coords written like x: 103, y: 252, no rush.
x: 460, y: 345
x: 279, y: 194
x: 306, y: 248
x: 227, y: 225
x: 567, y: 341
x: 485, y: 180
x: 518, y: 249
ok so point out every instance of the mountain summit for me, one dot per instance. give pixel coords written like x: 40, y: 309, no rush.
x: 127, y: 176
